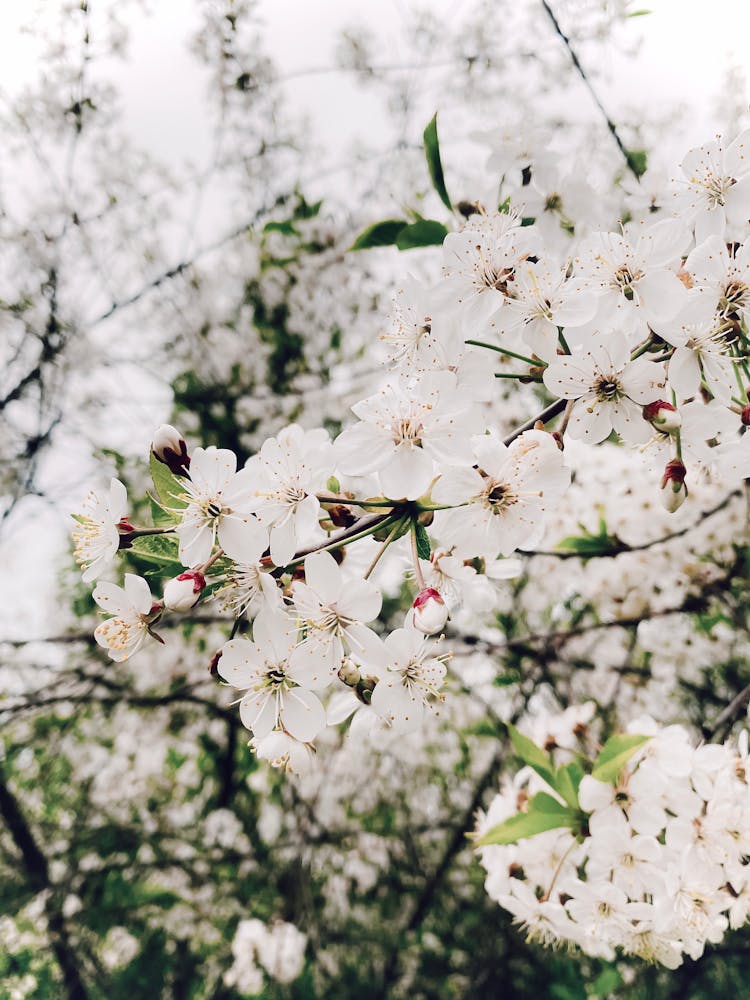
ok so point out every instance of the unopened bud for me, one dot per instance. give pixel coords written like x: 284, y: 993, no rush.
x: 169, y: 447
x: 182, y: 593
x: 349, y: 673
x: 430, y: 611
x: 341, y: 515
x: 663, y: 416
x: 745, y: 418
x: 213, y: 667
x: 673, y: 489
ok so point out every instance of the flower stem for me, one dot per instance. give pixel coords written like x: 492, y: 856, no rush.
x: 505, y: 350
x: 376, y: 558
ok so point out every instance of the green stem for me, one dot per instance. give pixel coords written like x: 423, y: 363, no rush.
x: 563, y: 341
x: 642, y: 349
x: 353, y: 502
x: 505, y: 350
x: 529, y: 378
x: 391, y: 537
x: 381, y: 520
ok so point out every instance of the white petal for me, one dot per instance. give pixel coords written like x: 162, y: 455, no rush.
x: 138, y: 593
x: 258, y: 712
x: 407, y: 473
x: 242, y: 538
x: 302, y: 714
x: 323, y: 576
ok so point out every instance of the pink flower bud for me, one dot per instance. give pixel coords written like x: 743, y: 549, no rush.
x: 430, y: 611
x: 745, y: 418
x: 663, y: 416
x: 182, y: 593
x: 169, y: 447
x: 673, y: 489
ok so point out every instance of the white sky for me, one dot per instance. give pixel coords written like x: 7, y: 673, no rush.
x: 688, y: 47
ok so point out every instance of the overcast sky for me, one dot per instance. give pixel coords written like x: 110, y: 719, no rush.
x: 688, y: 45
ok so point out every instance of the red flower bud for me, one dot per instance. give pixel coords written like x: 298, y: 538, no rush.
x: 664, y: 416
x: 430, y: 611
x: 169, y: 448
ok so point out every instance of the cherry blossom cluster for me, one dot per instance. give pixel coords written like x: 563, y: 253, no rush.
x: 277, y: 949
x: 648, y: 859
x: 640, y: 333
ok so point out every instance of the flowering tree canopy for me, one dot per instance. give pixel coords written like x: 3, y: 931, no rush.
x: 415, y: 644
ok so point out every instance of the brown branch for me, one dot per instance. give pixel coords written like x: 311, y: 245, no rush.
x: 627, y: 156
x: 37, y: 872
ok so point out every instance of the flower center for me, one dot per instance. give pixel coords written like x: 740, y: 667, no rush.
x: 715, y: 186
x: 409, y: 430
x: 499, y: 497
x: 607, y: 388
x: 624, y: 279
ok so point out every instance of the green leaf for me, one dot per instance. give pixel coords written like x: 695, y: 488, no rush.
x: 615, y: 754
x: 638, y: 158
x: 567, y: 780
x: 286, y: 228
x: 162, y: 518
x: 379, y: 234
x: 544, y: 813
x: 168, y: 487
x: 159, y: 549
x: 423, y: 541
x: 590, y: 546
x: 639, y: 13
x: 532, y: 755
x: 606, y: 982
x: 434, y: 165
x: 425, y: 233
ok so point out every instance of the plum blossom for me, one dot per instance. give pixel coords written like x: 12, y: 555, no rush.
x: 479, y: 263
x: 332, y: 609
x: 134, y: 611
x: 403, y: 433
x: 285, y: 476
x: 609, y: 389
x: 501, y: 502
x: 715, y: 188
x: 97, y: 532
x: 634, y: 279
x: 542, y: 301
x: 276, y: 695
x: 412, y: 680
x: 218, y: 507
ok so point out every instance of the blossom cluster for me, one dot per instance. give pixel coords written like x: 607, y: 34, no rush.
x: 652, y: 861
x: 279, y: 949
x: 605, y: 324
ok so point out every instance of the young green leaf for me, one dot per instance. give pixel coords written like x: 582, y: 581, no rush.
x: 588, y: 545
x: 168, y: 487
x: 423, y: 541
x: 615, y: 754
x: 532, y: 755
x: 160, y: 551
x: 434, y: 164
x: 379, y: 234
x: 638, y: 160
x: 161, y: 517
x: 567, y: 780
x: 544, y: 813
x: 425, y: 233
